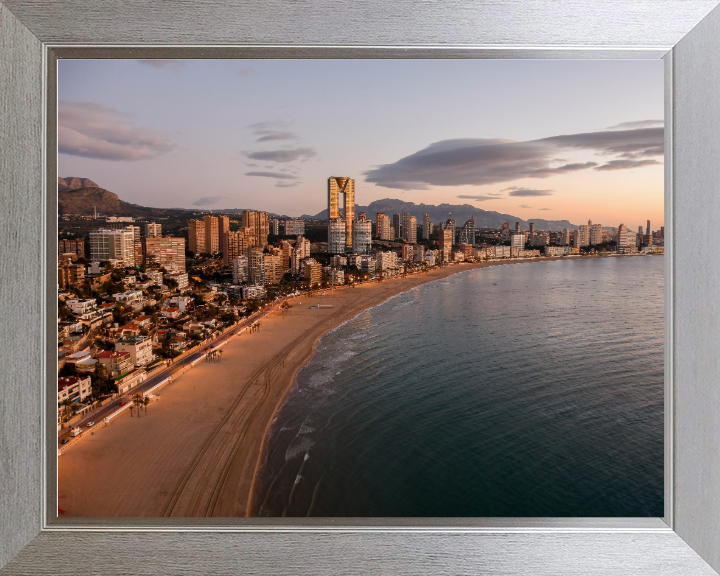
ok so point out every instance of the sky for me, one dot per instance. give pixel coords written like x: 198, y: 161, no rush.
x: 553, y: 139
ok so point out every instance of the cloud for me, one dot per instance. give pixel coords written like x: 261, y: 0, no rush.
x: 283, y: 184
x: 477, y: 198
x: 544, y: 208
x: 625, y: 164
x: 171, y: 64
x: 95, y: 131
x: 272, y: 131
x: 637, y: 124
x: 527, y: 192
x: 524, y: 206
x: 207, y: 200
x: 278, y: 175
x: 288, y: 155
x: 476, y: 161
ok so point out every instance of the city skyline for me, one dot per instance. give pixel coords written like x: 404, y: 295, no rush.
x: 534, y: 139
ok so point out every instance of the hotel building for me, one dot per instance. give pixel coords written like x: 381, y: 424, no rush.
x: 167, y: 252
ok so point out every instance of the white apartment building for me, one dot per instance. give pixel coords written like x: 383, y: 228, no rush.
x: 386, y: 260
x: 367, y: 264
x: 139, y: 348
x: 240, y: 269
x: 128, y: 297
x: 180, y: 277
x: 337, y: 277
x: 81, y: 306
x: 153, y: 230
x: 582, y: 236
x: 113, y: 245
x: 256, y: 291
x: 75, y: 388
x: 181, y: 302
x: 362, y: 236
x: 518, y: 241
x: 419, y: 253
x: 156, y: 277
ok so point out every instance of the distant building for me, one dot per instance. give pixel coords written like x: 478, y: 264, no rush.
x: 386, y: 261
x: 256, y: 228
x: 235, y: 245
x: 196, y: 236
x: 71, y: 247
x: 407, y: 252
x: 180, y: 277
x: 582, y: 236
x: 337, y: 241
x: 294, y: 227
x: 625, y: 238
x: 212, y: 234
x: 383, y: 226
x: 362, y: 243
x: 426, y: 227
x: 153, y: 230
x: 256, y: 266
x: 116, y: 363
x: 167, y: 252
x: 69, y: 273
x: 467, y: 233
x: 405, y: 226
x: 445, y: 244
x: 505, y: 231
x: 254, y: 292
x: 337, y: 277
x: 380, y: 218
x: 223, y: 229
x: 275, y: 227
x: 341, y: 208
x: 518, y: 241
x: 419, y: 253
x: 113, y: 245
x: 412, y: 230
x: 565, y: 237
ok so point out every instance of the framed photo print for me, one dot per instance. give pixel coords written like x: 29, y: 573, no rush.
x: 389, y: 290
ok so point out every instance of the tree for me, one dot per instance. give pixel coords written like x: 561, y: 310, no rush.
x: 138, y: 400
x: 145, y: 402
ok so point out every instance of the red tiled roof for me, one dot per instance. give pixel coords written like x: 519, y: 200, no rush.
x: 67, y: 381
x: 130, y: 327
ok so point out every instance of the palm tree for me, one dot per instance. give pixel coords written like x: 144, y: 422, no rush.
x: 67, y: 405
x: 145, y: 402
x: 138, y: 400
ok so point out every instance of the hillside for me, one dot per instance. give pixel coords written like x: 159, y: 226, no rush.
x: 73, y: 183
x: 461, y: 213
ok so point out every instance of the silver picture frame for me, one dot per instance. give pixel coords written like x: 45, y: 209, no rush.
x: 684, y: 33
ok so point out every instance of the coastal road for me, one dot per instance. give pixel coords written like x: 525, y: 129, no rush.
x: 172, y: 369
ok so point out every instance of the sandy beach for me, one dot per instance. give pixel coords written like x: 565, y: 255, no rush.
x: 196, y: 450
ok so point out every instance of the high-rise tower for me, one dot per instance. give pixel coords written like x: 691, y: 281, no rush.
x: 342, y: 208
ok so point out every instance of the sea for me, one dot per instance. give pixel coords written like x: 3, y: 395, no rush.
x: 521, y: 390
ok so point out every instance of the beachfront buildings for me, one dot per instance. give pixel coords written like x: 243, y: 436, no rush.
x: 518, y: 241
x: 274, y: 269
x: 625, y: 238
x: 73, y: 388
x: 139, y: 348
x: 167, y: 252
x: 467, y: 233
x: 312, y: 271
x: 341, y: 211
x: 446, y: 235
x: 116, y: 362
x: 256, y: 266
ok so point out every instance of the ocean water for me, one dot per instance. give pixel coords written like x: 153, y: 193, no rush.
x: 517, y: 390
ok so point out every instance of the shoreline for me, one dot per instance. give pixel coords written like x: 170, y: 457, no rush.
x: 197, y: 452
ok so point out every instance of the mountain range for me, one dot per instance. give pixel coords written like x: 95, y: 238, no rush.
x: 83, y: 196
x: 460, y: 212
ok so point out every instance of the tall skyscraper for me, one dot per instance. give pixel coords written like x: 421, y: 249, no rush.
x: 256, y: 266
x: 582, y: 236
x: 565, y: 237
x: 505, y: 231
x: 446, y: 243
x: 380, y: 217
x: 337, y: 242
x: 212, y: 238
x: 153, y: 230
x: 275, y: 227
x: 649, y: 233
x: 405, y: 233
x: 397, y: 224
x: 362, y: 243
x: 412, y: 230
x: 596, y: 233
x: 196, y: 236
x: 625, y: 238
x: 240, y: 269
x: 256, y: 228
x: 168, y: 252
x: 517, y: 227
x: 223, y: 228
x: 384, y: 231
x: 426, y: 226
x: 467, y: 233
x: 342, y: 209
x: 532, y: 228
x: 450, y: 225
x: 235, y: 245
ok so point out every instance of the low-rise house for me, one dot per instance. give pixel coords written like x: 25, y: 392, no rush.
x: 128, y: 297
x: 143, y: 321
x: 77, y: 356
x: 81, y: 306
x: 130, y: 380
x: 130, y: 330
x: 194, y: 328
x: 183, y: 302
x: 86, y: 365
x: 180, y: 277
x: 74, y: 388
x: 139, y: 348
x: 210, y: 323
x: 116, y: 363
x: 170, y: 312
